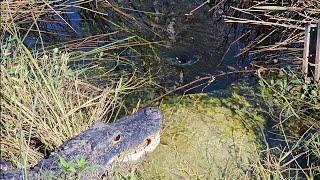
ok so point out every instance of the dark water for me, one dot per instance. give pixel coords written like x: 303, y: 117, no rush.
x: 192, y: 46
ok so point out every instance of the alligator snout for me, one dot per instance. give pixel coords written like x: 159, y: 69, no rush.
x: 153, y: 113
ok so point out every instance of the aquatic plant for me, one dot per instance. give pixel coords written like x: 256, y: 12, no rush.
x: 292, y: 100
x: 294, y: 106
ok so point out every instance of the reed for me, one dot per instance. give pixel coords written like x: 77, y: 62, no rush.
x: 49, y: 95
x: 292, y: 99
x: 281, y: 25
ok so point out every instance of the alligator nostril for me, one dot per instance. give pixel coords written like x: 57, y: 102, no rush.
x: 148, y: 142
x: 117, y: 138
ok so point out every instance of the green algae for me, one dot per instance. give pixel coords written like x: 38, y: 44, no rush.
x: 205, y: 137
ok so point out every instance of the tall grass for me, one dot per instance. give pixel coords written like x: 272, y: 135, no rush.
x: 45, y: 102
x: 281, y: 24
x: 293, y: 101
x: 45, y: 98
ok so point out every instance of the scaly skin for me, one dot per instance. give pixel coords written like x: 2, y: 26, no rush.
x: 103, y: 144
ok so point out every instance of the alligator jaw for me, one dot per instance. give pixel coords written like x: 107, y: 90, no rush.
x: 149, y: 145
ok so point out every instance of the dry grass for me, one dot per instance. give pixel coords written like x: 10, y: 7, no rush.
x: 43, y: 101
x: 283, y: 27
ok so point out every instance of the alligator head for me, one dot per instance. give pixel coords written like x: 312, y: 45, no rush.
x: 132, y: 137
x: 126, y: 140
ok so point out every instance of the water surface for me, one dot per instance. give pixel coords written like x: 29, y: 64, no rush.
x: 192, y: 46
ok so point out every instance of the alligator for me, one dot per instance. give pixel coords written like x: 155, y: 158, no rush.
x: 104, y: 145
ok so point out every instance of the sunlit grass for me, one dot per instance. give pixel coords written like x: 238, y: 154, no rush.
x: 45, y: 98
x: 43, y: 101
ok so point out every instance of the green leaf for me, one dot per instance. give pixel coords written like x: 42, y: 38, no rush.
x: 64, y: 164
x: 82, y: 163
x: 72, y: 168
x: 289, y: 88
x: 212, y: 2
x: 272, y: 82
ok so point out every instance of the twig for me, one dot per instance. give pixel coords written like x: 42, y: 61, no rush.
x: 231, y: 44
x: 192, y: 11
x: 216, y: 6
x: 195, y: 81
x: 265, y: 23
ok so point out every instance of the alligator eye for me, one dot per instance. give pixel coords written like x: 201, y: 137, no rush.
x: 117, y: 138
x: 148, y: 142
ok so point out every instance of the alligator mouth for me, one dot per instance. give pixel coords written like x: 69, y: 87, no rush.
x: 148, y: 145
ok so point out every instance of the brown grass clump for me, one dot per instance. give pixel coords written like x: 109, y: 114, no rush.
x: 44, y: 103
x: 281, y: 25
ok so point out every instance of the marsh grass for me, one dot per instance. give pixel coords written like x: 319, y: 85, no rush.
x: 293, y: 161
x: 281, y: 25
x: 43, y: 101
x: 45, y: 98
x: 294, y: 107
x: 292, y: 100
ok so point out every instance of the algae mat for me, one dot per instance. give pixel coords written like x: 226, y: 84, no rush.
x: 205, y: 138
